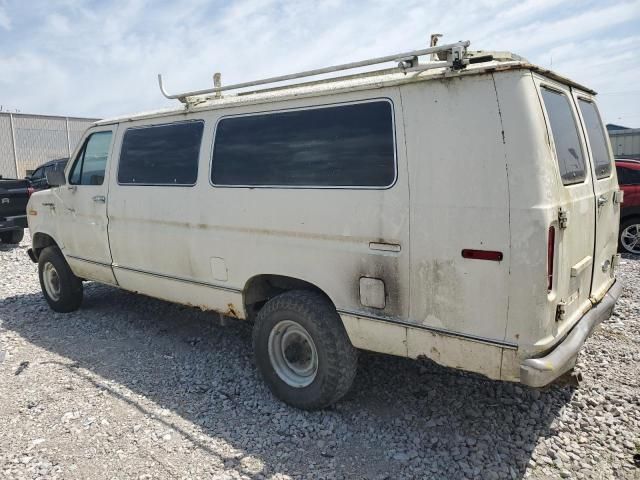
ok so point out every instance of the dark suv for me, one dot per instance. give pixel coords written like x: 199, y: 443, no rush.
x: 629, y: 180
x: 38, y: 179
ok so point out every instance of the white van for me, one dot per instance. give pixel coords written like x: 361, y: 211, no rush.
x: 462, y: 209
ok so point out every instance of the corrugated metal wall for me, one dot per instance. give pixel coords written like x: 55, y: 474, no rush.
x: 37, y: 139
x: 625, y: 143
x: 7, y: 155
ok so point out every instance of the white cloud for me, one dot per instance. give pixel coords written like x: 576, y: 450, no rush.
x: 5, y: 21
x: 577, y: 25
x: 58, y: 24
x: 100, y: 59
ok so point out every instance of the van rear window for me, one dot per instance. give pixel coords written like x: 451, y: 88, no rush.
x: 597, y: 138
x: 161, y: 154
x: 565, y: 137
x: 336, y: 146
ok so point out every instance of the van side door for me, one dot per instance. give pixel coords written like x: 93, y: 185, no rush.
x: 152, y: 204
x: 81, y: 207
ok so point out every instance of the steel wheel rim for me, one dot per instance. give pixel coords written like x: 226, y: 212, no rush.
x: 630, y: 238
x: 51, y: 281
x: 293, y: 354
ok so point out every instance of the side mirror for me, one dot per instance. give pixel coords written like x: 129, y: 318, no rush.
x: 55, y: 178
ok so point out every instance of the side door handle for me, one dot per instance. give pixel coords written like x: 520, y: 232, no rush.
x: 99, y: 199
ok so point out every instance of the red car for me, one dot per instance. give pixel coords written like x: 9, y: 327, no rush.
x: 629, y: 180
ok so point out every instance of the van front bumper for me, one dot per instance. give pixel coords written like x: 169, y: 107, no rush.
x: 538, y: 372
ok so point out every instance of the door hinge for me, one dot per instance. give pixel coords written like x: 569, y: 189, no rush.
x: 615, y: 261
x: 563, y: 217
x: 618, y: 196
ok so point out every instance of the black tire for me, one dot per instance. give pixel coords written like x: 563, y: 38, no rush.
x: 69, y: 296
x: 624, y: 225
x: 12, y: 236
x: 337, y: 359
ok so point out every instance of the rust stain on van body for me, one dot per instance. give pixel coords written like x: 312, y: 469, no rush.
x: 231, y: 311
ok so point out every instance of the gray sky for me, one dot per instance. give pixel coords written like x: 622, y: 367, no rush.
x: 100, y: 58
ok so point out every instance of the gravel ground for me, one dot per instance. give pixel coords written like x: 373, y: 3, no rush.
x: 133, y: 387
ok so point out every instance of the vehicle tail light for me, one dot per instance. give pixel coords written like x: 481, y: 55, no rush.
x: 30, y: 190
x: 551, y: 247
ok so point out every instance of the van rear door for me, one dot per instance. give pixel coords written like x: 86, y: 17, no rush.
x: 605, y: 185
x: 572, y: 232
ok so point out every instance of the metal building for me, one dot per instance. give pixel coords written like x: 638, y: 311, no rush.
x: 27, y: 141
x: 625, y: 142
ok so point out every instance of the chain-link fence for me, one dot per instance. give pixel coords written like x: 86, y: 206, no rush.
x: 27, y: 141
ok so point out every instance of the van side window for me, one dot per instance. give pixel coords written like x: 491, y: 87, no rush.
x: 90, y: 163
x: 334, y: 146
x: 161, y: 154
x: 565, y: 137
x: 597, y: 138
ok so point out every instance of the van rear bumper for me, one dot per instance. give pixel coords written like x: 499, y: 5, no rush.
x: 537, y: 372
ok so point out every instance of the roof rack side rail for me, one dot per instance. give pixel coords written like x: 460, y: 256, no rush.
x: 407, y: 61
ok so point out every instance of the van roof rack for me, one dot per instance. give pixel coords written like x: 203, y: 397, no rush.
x: 453, y: 56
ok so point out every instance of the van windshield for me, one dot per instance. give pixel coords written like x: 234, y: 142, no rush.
x: 597, y: 138
x: 565, y: 137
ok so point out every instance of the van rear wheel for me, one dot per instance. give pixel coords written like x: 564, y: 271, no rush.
x: 61, y: 288
x: 302, y: 350
x: 630, y: 236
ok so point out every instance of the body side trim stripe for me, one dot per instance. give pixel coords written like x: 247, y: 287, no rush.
x: 89, y: 261
x: 179, y: 279
x: 441, y: 331
x: 340, y: 311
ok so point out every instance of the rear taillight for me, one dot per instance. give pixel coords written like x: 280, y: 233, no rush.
x: 551, y: 247
x: 30, y: 190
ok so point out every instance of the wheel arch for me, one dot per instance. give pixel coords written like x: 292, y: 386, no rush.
x: 629, y: 214
x: 40, y: 241
x: 261, y: 288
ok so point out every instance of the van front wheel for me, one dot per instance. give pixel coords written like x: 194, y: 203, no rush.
x: 302, y: 350
x: 61, y: 288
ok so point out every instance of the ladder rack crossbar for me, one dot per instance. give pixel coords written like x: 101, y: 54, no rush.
x: 318, y: 71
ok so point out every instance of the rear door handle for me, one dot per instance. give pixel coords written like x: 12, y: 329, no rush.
x: 99, y: 199
x: 602, y: 199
